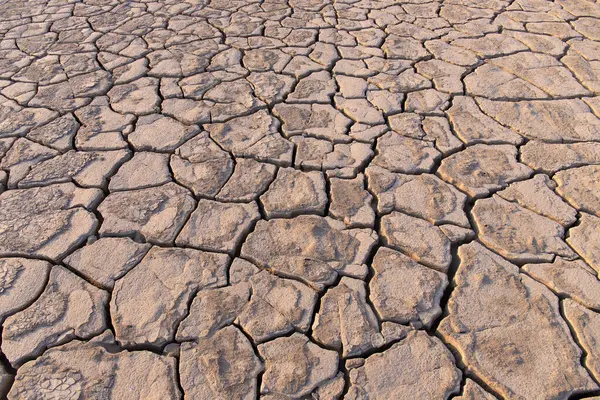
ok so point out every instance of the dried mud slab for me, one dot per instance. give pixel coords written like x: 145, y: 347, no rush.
x: 509, y: 330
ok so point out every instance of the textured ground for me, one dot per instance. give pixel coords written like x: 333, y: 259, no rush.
x: 301, y: 199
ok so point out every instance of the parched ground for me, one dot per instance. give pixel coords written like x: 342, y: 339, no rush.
x: 300, y: 199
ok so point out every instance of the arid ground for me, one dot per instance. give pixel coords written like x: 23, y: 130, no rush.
x: 299, y: 199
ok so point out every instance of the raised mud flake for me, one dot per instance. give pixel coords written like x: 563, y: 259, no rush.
x: 156, y: 213
x: 48, y: 221
x: 481, y: 169
x: 472, y: 126
x: 421, y: 356
x: 139, y: 97
x: 107, y: 259
x: 69, y: 307
x: 515, y: 321
x: 536, y: 194
x: 517, y: 233
x: 145, y: 169
x: 345, y: 321
x: 425, y: 196
x: 221, y: 366
x: 294, y: 366
x: 572, y: 279
x: 248, y: 181
x: 157, y: 132
x: 86, y: 168
x: 553, y: 157
x: 310, y: 248
x: 316, y: 120
x: 585, y: 239
x: 547, y: 120
x: 399, y: 153
x: 254, y: 136
x: 21, y: 282
x: 202, y: 166
x: 295, y: 192
x: 277, y: 306
x: 404, y: 291
x: 216, y: 226
x: 91, y: 369
x: 150, y: 301
x: 586, y: 325
x: 421, y: 240
x: 581, y: 187
x: 351, y: 202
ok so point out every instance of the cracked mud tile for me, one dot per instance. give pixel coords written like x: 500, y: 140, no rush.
x: 22, y: 280
x: 420, y: 354
x: 164, y: 292
x: 68, y: 308
x: 585, y: 239
x: 156, y: 213
x: 521, y: 337
x: 83, y: 369
x: 312, y: 249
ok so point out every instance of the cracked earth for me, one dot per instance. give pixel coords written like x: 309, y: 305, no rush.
x: 300, y: 199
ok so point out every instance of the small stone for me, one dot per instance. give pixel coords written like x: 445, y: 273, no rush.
x: 351, y: 203
x: 249, y: 180
x: 295, y: 192
x: 585, y: 240
x: 221, y: 366
x: 580, y: 187
x: 159, y: 133
x: 420, y: 355
x: 572, y: 279
x: 295, y: 366
x: 68, y: 308
x: 586, y: 325
x: 536, y: 194
x: 515, y: 321
x: 81, y: 369
x: 309, y: 248
x: 144, y: 170
x: 150, y: 301
x: 21, y: 282
x: 403, y: 290
x: 215, y: 226
x: 107, y: 259
x: 481, y: 169
x: 517, y: 233
x: 421, y: 240
x: 157, y: 213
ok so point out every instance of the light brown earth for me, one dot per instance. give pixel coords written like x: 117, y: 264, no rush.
x: 299, y: 199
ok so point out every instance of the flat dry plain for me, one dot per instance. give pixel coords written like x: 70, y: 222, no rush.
x: 300, y: 199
